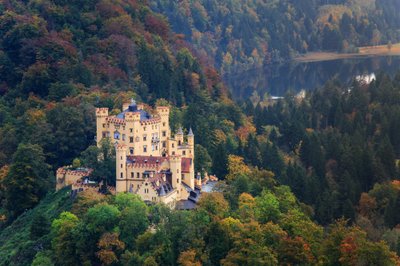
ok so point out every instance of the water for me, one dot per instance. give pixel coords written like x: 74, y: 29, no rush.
x: 276, y: 80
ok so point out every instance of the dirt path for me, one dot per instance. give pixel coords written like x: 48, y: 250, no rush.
x: 381, y: 50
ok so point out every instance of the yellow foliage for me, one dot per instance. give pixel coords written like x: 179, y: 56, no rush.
x: 228, y: 59
x: 230, y: 224
x: 35, y: 115
x: 220, y: 136
x: 246, y: 207
x: 195, y: 80
x: 236, y: 167
x: 215, y: 204
x: 188, y: 258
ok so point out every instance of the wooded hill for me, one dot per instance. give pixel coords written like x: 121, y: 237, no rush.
x: 238, y: 35
x: 61, y: 59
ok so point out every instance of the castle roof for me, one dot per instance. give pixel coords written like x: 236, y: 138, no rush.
x: 134, y: 108
x: 180, y: 131
x: 81, y: 171
x: 162, y: 187
x: 190, y: 132
x: 153, y: 162
x: 185, y: 165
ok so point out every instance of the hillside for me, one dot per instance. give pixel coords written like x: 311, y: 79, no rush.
x: 20, y: 241
x: 59, y: 60
x: 239, y: 35
x: 304, y: 180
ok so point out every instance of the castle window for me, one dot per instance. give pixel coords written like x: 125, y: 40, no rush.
x: 122, y: 175
x: 144, y: 128
x: 177, y: 180
x: 184, y: 152
x: 179, y: 143
x: 164, y: 133
x: 152, y: 147
x: 144, y: 148
x: 116, y: 135
x: 131, y: 151
x: 156, y: 147
x: 131, y: 139
x: 163, y: 124
x: 123, y: 136
x: 104, y: 134
x: 138, y: 175
x: 173, y: 145
x: 104, y: 125
x: 121, y: 165
x: 144, y: 137
x: 132, y: 175
x: 164, y: 144
x: 173, y: 153
x: 131, y: 130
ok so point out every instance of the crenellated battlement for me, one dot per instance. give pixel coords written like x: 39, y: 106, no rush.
x: 101, y: 111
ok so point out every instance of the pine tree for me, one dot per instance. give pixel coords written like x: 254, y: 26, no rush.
x: 28, y: 181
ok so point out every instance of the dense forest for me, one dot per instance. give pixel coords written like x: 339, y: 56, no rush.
x: 245, y: 34
x: 59, y: 60
x: 336, y: 148
x: 305, y: 181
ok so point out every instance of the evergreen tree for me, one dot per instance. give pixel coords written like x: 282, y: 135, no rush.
x: 28, y: 180
x: 40, y: 226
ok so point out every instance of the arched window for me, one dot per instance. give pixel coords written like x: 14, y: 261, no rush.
x: 116, y: 135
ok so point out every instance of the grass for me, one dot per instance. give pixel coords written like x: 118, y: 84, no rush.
x: 367, y: 51
x: 16, y: 247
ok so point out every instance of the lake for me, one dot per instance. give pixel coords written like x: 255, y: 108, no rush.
x: 276, y: 80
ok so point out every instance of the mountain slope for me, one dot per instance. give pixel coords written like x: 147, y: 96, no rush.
x: 239, y: 35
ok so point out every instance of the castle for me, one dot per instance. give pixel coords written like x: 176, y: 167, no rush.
x: 149, y: 162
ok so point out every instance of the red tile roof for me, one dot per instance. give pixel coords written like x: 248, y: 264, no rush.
x: 154, y: 161
x: 185, y: 166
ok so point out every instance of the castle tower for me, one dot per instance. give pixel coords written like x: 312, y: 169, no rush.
x: 101, y: 123
x: 121, y: 178
x: 175, y: 168
x: 190, y: 138
x: 179, y: 136
x: 163, y: 112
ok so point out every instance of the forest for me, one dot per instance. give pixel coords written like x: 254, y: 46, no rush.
x: 241, y: 35
x: 305, y: 181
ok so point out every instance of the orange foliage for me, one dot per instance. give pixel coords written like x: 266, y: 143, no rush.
x: 367, y: 205
x: 348, y: 249
x: 244, y: 131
